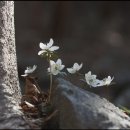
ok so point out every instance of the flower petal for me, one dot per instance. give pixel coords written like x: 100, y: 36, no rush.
x: 52, y: 62
x: 42, y: 46
x: 53, y: 48
x: 48, y: 69
x: 24, y: 75
x: 81, y: 65
x: 75, y: 66
x: 71, y: 70
x: 112, y: 78
x: 34, y: 67
x: 108, y: 80
x: 62, y: 67
x: 55, y: 72
x: 50, y: 43
x: 99, y: 83
x: 27, y: 71
x: 59, y: 62
x: 94, y: 76
x: 87, y: 75
x: 41, y: 52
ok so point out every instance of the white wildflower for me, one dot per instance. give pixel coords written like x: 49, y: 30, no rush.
x: 47, y: 47
x: 92, y: 81
x: 29, y: 70
x: 76, y: 67
x: 108, y: 80
x: 56, y: 67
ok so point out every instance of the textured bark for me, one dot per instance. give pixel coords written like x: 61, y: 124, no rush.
x: 10, y: 115
x: 80, y: 109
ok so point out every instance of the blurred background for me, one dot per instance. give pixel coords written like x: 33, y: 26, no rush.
x: 95, y: 33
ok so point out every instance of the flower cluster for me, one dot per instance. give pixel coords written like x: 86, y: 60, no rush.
x: 56, y: 67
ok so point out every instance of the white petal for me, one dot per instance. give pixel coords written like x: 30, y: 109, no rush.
x: 55, y: 72
x: 86, y: 75
x: 89, y: 73
x: 62, y: 67
x: 52, y: 69
x: 109, y: 77
x: 27, y: 71
x: 108, y: 80
x: 52, y: 62
x: 81, y: 65
x: 42, y: 46
x: 48, y: 69
x: 59, y: 62
x: 93, y: 85
x: 41, y: 52
x: 99, y: 83
x: 94, y: 76
x: 53, y: 48
x: 24, y: 75
x: 93, y: 82
x: 34, y: 67
x: 75, y: 66
x: 112, y: 78
x: 71, y: 70
x: 50, y: 43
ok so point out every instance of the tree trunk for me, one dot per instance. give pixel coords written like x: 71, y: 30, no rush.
x: 10, y: 115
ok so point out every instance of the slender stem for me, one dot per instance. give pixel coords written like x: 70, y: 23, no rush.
x: 50, y: 80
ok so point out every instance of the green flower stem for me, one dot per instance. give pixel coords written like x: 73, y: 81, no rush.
x: 50, y: 81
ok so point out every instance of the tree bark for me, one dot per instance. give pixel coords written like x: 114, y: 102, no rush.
x: 10, y: 115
